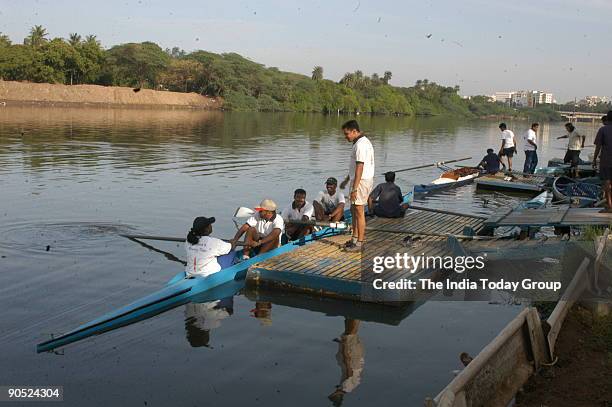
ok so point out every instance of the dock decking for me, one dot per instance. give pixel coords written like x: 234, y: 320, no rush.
x: 560, y: 217
x: 324, y: 268
x: 518, y: 183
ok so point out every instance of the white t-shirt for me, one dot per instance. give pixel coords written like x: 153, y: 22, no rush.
x: 329, y: 202
x: 508, y: 137
x: 265, y: 227
x: 202, y: 256
x: 362, y: 152
x: 289, y: 213
x: 529, y: 135
x: 575, y: 141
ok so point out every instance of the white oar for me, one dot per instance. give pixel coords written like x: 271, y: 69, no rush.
x: 243, y: 212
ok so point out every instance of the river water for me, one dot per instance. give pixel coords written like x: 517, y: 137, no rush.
x: 72, y: 180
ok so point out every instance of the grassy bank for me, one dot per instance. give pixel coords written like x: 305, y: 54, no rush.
x: 245, y: 85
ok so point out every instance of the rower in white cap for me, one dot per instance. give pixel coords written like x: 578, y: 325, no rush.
x: 263, y: 230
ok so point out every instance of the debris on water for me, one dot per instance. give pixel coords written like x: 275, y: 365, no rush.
x: 48, y: 248
x: 550, y: 260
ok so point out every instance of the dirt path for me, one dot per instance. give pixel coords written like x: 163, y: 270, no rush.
x: 69, y: 95
x: 583, y: 374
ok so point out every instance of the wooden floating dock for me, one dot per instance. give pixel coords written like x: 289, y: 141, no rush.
x: 560, y: 216
x: 518, y: 183
x: 323, y: 268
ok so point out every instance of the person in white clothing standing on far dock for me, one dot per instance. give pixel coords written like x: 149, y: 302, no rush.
x: 361, y: 175
x: 574, y: 145
x: 508, y: 145
x: 206, y: 255
x: 530, y: 146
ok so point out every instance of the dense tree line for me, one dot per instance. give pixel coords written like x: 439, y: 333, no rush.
x: 244, y: 84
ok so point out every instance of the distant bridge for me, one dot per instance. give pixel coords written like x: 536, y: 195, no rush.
x: 581, y: 116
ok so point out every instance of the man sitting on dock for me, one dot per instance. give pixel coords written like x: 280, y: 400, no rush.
x: 603, y: 145
x: 329, y: 205
x: 386, y: 199
x: 490, y: 162
x: 300, y: 210
x: 263, y: 229
x: 508, y: 144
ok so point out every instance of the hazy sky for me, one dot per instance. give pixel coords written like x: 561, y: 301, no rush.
x: 562, y: 46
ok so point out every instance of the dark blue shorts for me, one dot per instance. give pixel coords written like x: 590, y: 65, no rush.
x: 605, y: 173
x: 508, y: 152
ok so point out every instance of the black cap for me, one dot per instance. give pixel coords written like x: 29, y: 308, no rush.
x: 331, y: 181
x: 200, y: 223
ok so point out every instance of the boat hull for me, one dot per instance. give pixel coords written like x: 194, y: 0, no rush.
x: 434, y: 186
x: 178, y: 291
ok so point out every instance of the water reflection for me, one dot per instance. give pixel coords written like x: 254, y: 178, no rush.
x: 202, y: 318
x: 263, y: 312
x: 350, y: 358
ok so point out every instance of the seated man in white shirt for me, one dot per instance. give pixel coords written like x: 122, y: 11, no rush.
x: 300, y: 210
x: 263, y: 230
x: 329, y: 205
x: 206, y: 255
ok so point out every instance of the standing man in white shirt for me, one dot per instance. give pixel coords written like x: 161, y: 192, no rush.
x: 531, y: 147
x: 574, y: 145
x: 508, y: 145
x: 329, y: 205
x: 361, y: 175
x: 299, y: 210
x: 263, y: 230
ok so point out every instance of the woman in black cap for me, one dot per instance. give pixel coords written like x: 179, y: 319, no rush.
x: 205, y: 254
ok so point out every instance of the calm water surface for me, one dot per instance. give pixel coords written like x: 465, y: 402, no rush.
x: 74, y: 179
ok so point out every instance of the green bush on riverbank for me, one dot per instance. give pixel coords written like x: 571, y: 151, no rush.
x: 244, y: 84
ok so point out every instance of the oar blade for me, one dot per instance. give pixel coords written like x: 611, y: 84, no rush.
x: 243, y: 212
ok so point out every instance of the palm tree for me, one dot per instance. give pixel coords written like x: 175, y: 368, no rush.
x: 5, y: 41
x: 317, y: 73
x: 74, y: 39
x: 37, y: 37
x: 92, y: 39
x: 387, y: 77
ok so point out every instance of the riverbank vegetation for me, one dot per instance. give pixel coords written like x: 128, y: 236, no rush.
x: 243, y: 84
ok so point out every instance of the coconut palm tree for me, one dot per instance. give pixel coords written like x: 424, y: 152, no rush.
x: 5, y: 41
x: 317, y: 73
x: 37, y: 37
x: 387, y: 77
x: 92, y: 39
x: 74, y: 39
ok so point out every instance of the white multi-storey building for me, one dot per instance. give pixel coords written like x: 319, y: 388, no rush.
x: 503, y: 97
x: 524, y: 98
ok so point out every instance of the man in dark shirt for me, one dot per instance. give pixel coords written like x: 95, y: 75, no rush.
x: 386, y: 199
x: 490, y: 162
x: 603, y: 145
